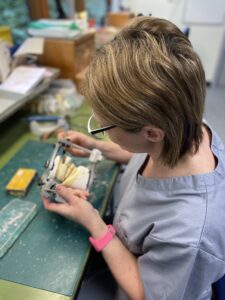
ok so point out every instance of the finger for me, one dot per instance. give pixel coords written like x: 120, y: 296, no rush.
x: 60, y: 208
x: 66, y: 193
x: 65, y: 134
x: 78, y: 152
x: 82, y: 194
x: 70, y: 194
x: 61, y: 134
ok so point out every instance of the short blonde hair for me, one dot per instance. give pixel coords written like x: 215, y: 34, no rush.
x: 150, y: 75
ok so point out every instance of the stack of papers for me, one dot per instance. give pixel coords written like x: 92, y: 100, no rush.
x: 5, y: 61
x: 23, y: 79
x: 33, y: 45
x: 54, y: 28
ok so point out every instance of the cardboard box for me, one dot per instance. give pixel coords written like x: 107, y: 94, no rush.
x: 20, y: 182
x: 119, y: 19
x: 71, y: 56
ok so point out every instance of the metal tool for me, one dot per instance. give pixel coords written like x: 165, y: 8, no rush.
x: 48, y: 183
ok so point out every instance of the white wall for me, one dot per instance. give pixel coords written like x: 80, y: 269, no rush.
x: 206, y: 39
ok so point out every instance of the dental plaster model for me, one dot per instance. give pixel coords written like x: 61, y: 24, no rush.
x: 61, y: 169
x: 67, y: 173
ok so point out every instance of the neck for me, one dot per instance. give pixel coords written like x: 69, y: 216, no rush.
x: 190, y: 164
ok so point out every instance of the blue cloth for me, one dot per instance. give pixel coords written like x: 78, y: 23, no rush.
x: 176, y: 227
x: 219, y: 289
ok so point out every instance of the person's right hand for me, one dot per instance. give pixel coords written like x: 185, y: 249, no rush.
x: 79, y: 139
x: 77, y: 208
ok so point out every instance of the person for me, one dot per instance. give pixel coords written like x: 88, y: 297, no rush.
x: 147, y: 91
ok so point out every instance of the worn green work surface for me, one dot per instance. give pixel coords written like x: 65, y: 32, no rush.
x: 52, y: 252
x: 14, y: 218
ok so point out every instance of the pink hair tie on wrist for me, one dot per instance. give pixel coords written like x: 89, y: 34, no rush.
x: 100, y: 243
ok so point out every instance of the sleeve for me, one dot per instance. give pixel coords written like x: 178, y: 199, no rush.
x: 166, y: 269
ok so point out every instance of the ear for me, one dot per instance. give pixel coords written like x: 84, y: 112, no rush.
x: 153, y: 134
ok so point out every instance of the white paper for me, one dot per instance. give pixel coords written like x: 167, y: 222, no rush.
x: 23, y: 79
x: 31, y: 46
x: 4, y: 61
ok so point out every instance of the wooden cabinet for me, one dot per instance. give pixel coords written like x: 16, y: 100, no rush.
x: 71, y: 56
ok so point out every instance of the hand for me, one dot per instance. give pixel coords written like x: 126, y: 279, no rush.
x: 80, y: 139
x: 76, y: 208
x: 109, y: 149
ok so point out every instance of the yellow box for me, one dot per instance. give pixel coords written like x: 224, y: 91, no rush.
x: 21, y: 180
x: 5, y: 35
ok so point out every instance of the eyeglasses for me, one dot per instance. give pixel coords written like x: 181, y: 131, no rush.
x: 92, y: 124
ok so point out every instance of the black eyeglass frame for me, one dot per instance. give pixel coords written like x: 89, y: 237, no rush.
x: 98, y: 130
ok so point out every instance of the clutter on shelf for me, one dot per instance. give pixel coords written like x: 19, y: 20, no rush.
x: 22, y: 79
x: 61, y: 98
x: 20, y: 73
x: 44, y: 126
x: 54, y: 28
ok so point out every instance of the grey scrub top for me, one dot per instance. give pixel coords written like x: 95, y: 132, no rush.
x: 176, y: 228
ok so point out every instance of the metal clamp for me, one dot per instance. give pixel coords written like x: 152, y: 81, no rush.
x: 48, y: 183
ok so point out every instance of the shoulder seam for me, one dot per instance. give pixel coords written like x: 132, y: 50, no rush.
x: 197, y: 248
x: 206, y: 210
x: 212, y: 255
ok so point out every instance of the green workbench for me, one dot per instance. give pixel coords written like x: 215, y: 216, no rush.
x: 47, y: 261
